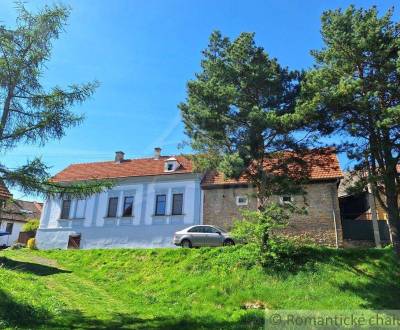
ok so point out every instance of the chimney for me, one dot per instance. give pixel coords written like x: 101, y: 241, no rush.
x: 157, y: 153
x: 119, y: 156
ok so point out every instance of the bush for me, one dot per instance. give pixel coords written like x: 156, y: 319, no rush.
x: 256, y: 228
x: 31, y: 244
x: 31, y: 225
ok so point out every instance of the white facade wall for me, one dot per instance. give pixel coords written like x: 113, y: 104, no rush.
x: 143, y: 229
x: 11, y: 239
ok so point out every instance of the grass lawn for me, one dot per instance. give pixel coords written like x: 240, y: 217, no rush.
x: 182, y: 288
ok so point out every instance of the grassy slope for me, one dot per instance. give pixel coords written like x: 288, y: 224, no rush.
x: 179, y: 288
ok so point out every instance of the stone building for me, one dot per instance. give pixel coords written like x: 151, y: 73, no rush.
x: 225, y: 198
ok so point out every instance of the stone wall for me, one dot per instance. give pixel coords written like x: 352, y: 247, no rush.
x: 318, y: 224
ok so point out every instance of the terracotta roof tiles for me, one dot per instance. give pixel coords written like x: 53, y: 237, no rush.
x: 127, y: 168
x: 315, y: 165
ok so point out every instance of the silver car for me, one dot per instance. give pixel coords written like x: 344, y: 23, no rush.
x: 202, y: 235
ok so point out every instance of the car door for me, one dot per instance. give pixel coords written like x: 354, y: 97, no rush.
x: 196, y: 235
x: 212, y: 236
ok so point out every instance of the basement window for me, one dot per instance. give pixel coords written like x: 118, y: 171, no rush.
x: 242, y: 200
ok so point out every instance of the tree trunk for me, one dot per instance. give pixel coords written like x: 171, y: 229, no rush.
x: 393, y: 210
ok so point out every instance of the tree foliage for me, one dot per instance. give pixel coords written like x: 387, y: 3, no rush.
x: 30, y: 113
x: 239, y: 111
x: 354, y: 90
x: 31, y: 225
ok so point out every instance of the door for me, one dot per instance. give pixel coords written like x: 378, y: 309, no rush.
x: 197, y: 235
x: 212, y: 237
x: 74, y: 241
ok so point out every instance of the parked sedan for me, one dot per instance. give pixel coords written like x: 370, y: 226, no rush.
x: 202, y: 235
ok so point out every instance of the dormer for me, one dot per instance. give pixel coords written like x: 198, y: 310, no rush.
x: 171, y: 164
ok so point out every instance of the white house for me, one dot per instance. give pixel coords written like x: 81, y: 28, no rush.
x: 13, y: 215
x: 150, y: 200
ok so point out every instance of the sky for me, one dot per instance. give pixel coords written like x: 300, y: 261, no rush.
x: 143, y: 52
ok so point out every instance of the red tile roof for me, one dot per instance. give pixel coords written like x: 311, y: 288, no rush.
x: 316, y: 165
x: 125, y: 169
x: 4, y: 192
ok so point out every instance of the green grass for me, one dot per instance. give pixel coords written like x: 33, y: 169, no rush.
x: 184, y: 289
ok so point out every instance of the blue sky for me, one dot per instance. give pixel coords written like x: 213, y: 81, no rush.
x: 143, y: 53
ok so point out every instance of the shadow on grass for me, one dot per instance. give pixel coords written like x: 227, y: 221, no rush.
x: 28, y: 267
x: 23, y: 316
x: 20, y: 315
x: 376, y: 272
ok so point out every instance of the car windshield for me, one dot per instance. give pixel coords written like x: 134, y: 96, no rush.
x: 220, y: 229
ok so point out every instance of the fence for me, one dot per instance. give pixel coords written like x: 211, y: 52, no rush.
x: 363, y: 230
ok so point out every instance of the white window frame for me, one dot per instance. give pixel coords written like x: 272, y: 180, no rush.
x: 286, y: 202
x: 239, y: 203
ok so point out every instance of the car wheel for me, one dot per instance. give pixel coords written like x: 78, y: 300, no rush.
x: 228, y: 242
x: 186, y: 244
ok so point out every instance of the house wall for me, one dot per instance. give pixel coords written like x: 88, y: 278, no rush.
x: 143, y: 229
x: 11, y: 239
x: 320, y: 200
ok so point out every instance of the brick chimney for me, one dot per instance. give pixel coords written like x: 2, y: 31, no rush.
x: 119, y: 156
x: 157, y: 153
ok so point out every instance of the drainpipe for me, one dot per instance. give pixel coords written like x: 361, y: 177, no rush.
x: 334, y: 214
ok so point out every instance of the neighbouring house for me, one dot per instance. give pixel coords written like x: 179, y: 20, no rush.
x: 14, y: 214
x: 224, y: 199
x: 150, y: 200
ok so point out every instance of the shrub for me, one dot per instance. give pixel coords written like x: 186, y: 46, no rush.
x: 256, y: 228
x: 31, y: 244
x: 31, y: 225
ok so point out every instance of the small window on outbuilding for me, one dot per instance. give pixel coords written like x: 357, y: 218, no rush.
x: 286, y: 199
x: 9, y: 227
x: 242, y: 200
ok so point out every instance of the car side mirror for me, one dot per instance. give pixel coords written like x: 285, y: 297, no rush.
x: 218, y: 232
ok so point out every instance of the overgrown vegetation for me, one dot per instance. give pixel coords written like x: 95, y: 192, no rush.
x: 203, y: 288
x: 256, y: 228
x: 31, y: 225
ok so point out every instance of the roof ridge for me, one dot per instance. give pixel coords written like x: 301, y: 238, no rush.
x: 127, y: 159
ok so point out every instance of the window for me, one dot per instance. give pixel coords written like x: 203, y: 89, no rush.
x: 197, y: 229
x: 65, y: 208
x: 177, y: 204
x: 112, y: 207
x: 80, y: 209
x: 160, y: 204
x: 242, y: 200
x: 128, y: 206
x: 9, y: 227
x: 170, y: 167
x: 286, y: 199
